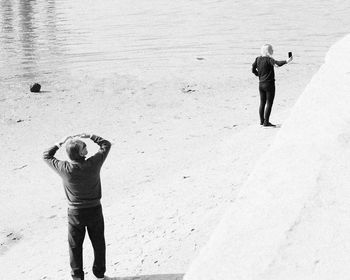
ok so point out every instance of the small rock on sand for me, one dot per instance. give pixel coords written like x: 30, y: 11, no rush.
x: 35, y: 87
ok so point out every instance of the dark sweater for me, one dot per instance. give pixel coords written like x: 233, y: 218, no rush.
x: 81, y: 180
x: 263, y: 67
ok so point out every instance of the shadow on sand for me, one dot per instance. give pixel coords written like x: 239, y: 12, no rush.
x: 151, y: 277
x: 279, y: 125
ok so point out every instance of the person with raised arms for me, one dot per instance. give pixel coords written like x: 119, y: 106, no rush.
x: 82, y: 186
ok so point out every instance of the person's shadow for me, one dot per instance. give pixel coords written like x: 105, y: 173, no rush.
x: 151, y: 277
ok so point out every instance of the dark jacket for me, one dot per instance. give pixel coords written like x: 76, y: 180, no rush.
x: 263, y: 67
x: 81, y: 180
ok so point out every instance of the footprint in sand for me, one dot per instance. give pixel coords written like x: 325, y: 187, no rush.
x: 10, y: 239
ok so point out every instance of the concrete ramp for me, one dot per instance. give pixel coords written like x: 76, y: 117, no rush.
x: 292, y: 217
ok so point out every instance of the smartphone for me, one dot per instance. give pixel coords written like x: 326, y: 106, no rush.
x: 290, y: 54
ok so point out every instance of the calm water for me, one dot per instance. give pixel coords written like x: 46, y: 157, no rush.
x: 48, y: 39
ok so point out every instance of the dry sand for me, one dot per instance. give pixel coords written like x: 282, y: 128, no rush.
x: 291, y: 217
x: 182, y: 148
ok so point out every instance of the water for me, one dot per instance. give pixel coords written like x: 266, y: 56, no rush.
x: 46, y: 40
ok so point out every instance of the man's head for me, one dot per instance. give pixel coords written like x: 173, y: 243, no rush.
x: 76, y: 149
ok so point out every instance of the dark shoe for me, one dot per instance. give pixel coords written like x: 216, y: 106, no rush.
x: 268, y: 124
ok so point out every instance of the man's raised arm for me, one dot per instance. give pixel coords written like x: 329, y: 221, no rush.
x: 49, y: 155
x: 104, y: 144
x: 280, y: 63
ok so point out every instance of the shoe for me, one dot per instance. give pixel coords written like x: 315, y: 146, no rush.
x: 268, y: 124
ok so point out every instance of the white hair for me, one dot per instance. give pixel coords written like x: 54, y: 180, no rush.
x: 266, y: 50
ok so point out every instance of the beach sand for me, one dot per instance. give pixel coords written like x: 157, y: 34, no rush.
x: 182, y: 148
x: 177, y: 100
x: 290, y: 220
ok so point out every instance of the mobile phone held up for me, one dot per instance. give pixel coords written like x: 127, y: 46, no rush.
x: 290, y: 54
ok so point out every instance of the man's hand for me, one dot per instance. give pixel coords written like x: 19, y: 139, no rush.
x: 63, y: 140
x: 83, y: 135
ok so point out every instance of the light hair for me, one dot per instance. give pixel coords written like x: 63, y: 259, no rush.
x: 73, y: 149
x: 266, y: 50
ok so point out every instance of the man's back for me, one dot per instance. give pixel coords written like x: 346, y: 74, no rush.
x: 263, y: 67
x: 81, y: 179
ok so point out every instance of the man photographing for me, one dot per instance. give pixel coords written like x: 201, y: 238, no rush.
x: 82, y: 186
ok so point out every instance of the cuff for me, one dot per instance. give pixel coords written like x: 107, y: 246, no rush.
x: 58, y: 145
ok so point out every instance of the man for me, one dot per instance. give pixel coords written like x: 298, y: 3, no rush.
x: 82, y: 186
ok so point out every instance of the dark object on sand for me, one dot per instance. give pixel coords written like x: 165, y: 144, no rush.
x: 35, y: 87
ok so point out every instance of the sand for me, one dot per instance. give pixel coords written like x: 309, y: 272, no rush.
x: 185, y: 137
x: 291, y: 218
x: 182, y: 148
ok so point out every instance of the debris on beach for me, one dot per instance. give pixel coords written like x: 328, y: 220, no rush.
x: 187, y: 89
x: 21, y: 167
x: 35, y: 87
x: 230, y: 127
x: 9, y: 240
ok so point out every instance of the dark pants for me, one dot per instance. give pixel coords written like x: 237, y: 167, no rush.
x: 78, y: 221
x: 267, y: 95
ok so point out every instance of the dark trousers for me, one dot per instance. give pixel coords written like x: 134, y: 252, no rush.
x: 78, y: 221
x: 267, y: 95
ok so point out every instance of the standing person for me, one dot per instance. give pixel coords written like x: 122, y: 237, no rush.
x: 263, y: 67
x: 82, y: 186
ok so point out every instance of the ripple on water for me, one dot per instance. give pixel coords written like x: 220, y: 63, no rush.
x: 56, y: 36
